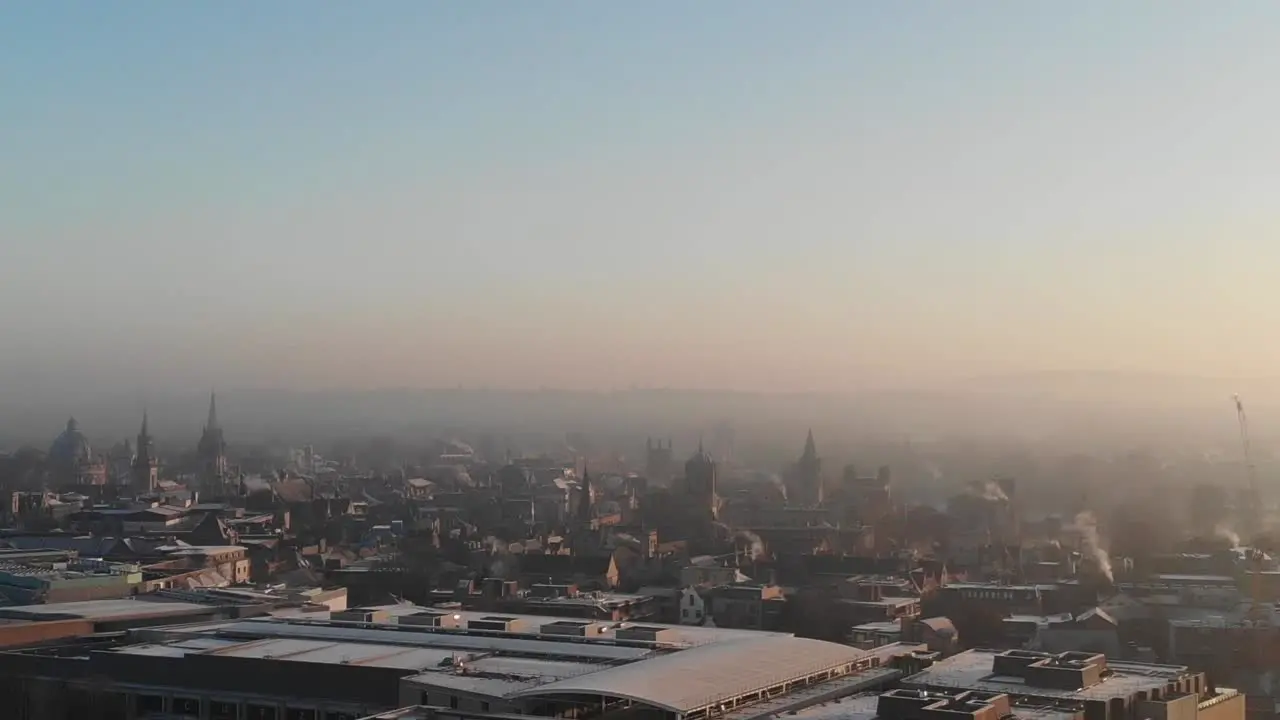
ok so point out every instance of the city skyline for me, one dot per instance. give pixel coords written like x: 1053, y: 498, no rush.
x: 747, y: 195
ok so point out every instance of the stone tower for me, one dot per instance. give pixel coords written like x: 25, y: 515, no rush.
x: 146, y: 468
x: 700, y: 480
x: 212, y: 449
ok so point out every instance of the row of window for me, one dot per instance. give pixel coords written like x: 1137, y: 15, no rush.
x: 145, y: 705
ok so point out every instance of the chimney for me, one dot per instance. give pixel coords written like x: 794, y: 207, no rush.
x: 906, y: 628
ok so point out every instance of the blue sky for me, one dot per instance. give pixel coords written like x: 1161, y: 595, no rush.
x: 723, y: 193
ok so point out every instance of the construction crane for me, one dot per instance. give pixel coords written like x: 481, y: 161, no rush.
x: 1255, y: 555
x: 1244, y: 442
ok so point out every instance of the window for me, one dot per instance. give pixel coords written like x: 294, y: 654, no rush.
x: 453, y: 702
x: 484, y: 707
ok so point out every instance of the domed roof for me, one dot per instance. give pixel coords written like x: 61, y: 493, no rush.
x: 71, y: 446
x: 700, y: 458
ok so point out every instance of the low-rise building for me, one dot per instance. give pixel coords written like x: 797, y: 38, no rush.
x: 1108, y: 690
x: 370, y: 660
x: 75, y: 580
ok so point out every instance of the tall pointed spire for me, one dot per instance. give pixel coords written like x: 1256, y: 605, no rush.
x: 585, y: 502
x: 808, y: 475
x: 212, y: 422
x: 143, y: 432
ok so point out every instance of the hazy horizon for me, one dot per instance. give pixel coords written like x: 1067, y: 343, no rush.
x: 726, y: 194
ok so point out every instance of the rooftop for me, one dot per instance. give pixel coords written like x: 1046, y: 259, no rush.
x: 973, y: 670
x: 100, y: 610
x: 702, y: 667
x: 695, y: 678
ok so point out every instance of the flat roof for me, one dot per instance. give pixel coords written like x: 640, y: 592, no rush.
x: 499, y: 676
x: 336, y: 653
x: 102, y: 609
x: 273, y: 628
x: 1188, y: 578
x: 886, y: 626
x: 858, y: 707
x: 972, y: 670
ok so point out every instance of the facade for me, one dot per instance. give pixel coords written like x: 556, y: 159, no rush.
x: 747, y: 606
x: 693, y: 609
x: 78, y: 580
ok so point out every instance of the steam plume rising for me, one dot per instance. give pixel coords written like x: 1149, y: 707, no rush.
x: 757, y: 545
x: 498, y: 551
x: 1227, y: 534
x: 992, y: 491
x: 1087, y: 525
x: 782, y: 487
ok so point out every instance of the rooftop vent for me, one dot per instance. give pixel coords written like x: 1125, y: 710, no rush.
x: 571, y: 627
x: 360, y: 615
x: 497, y: 623
x: 647, y: 633
x: 431, y: 618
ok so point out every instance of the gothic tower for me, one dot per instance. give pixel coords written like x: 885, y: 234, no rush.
x: 212, y: 449
x: 146, y: 468
x: 700, y: 480
x: 807, y: 478
x: 658, y: 466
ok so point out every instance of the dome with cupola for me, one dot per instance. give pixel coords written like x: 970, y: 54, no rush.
x: 71, y: 447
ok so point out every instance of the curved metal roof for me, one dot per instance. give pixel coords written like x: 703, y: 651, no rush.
x: 691, y: 679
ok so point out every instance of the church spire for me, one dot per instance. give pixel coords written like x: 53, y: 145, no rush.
x: 584, y: 504
x: 143, y: 432
x: 810, y: 450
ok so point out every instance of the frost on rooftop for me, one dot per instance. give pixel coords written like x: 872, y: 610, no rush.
x: 521, y: 661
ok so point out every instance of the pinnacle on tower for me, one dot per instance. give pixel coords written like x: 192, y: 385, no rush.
x: 584, y: 506
x: 810, y: 450
x: 212, y: 422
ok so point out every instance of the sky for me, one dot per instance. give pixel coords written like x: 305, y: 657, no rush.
x: 742, y: 194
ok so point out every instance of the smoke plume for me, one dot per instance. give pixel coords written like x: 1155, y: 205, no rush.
x: 1087, y: 525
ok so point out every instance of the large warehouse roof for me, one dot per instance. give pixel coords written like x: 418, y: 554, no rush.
x: 695, y: 678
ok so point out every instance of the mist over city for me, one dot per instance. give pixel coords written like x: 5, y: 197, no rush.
x: 730, y: 360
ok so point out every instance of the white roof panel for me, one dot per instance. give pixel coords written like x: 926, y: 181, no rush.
x: 690, y: 679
